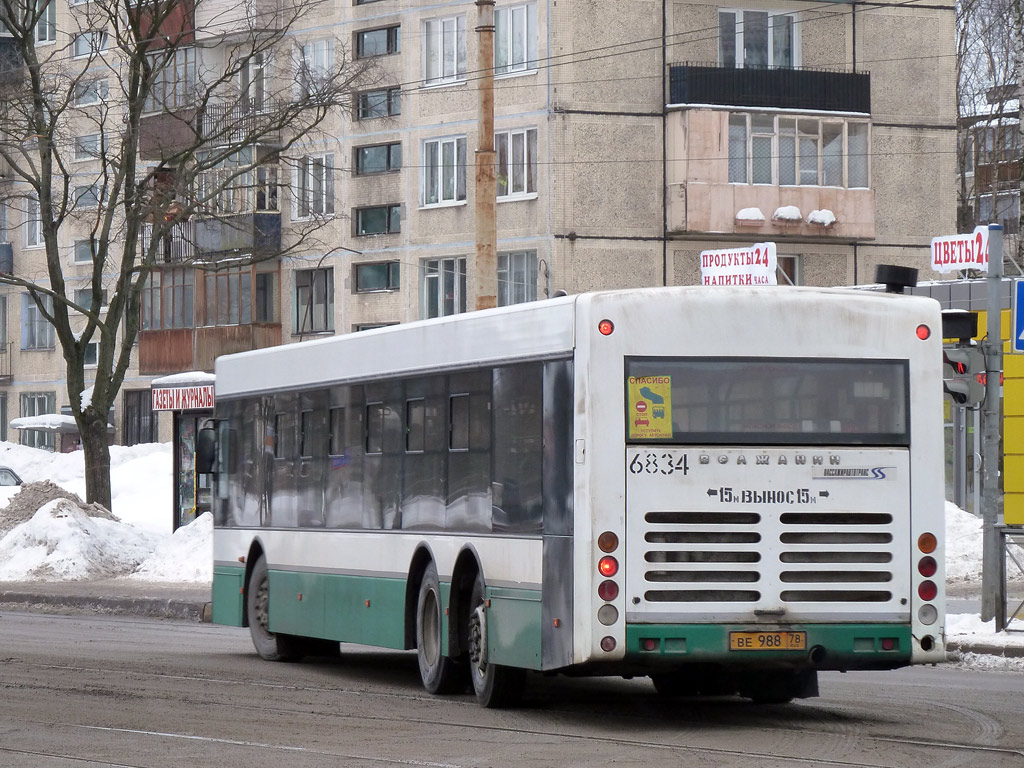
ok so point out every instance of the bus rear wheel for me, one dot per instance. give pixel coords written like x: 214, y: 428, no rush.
x: 495, y: 686
x: 439, y: 673
x: 269, y: 645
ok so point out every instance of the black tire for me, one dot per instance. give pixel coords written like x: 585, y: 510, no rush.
x: 439, y: 673
x: 270, y: 646
x: 495, y: 686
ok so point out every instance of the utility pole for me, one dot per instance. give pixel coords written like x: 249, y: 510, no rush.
x: 486, y: 183
x: 993, y: 569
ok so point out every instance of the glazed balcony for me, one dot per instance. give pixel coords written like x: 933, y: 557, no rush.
x: 829, y: 90
x: 195, y: 349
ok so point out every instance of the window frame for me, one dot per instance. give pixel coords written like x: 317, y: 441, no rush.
x: 95, y: 42
x: 83, y: 297
x: 314, y: 62
x: 313, y: 187
x: 434, y: 45
x: 392, y: 276
x: 433, y: 300
x: 391, y: 150
x: 527, y: 64
x: 392, y: 103
x: 506, y: 169
x: 392, y: 215
x: 35, y: 327
x: 508, y: 285
x: 790, y: 130
x: 392, y: 41
x: 45, y: 31
x: 32, y: 225
x: 739, y: 49
x: 324, y: 323
x: 98, y: 87
x: 436, y: 173
x: 81, y: 152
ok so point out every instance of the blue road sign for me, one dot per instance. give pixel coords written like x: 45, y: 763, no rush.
x: 1018, y: 316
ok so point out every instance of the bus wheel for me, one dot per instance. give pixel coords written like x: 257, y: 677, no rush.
x: 271, y: 646
x: 496, y: 686
x: 439, y: 673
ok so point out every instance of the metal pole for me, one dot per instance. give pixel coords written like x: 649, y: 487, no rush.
x: 993, y: 595
x: 486, y: 180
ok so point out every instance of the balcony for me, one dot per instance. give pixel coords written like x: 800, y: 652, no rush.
x: 12, y: 70
x: 175, y: 247
x: 163, y: 134
x: 818, y: 89
x: 228, y: 19
x: 235, y: 123
x: 5, y: 362
x: 243, y: 233
x: 195, y: 349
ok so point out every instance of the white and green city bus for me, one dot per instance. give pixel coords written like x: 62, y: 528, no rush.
x: 726, y: 489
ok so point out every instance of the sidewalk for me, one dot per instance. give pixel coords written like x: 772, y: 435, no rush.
x: 113, y: 596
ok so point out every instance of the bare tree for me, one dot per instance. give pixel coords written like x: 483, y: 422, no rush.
x: 156, y: 114
x: 988, y: 39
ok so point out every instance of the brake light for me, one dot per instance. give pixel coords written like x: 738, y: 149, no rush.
x: 605, y: 327
x: 927, y: 566
x: 927, y: 590
x: 608, y: 644
x: 923, y: 332
x: 608, y: 566
x: 608, y: 591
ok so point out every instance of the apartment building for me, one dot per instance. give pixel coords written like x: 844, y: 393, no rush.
x: 630, y: 134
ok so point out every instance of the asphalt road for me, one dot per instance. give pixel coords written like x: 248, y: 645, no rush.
x: 97, y: 692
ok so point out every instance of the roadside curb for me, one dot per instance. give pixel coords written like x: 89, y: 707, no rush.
x: 955, y: 648
x: 152, y: 607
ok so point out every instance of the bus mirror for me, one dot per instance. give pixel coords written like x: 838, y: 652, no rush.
x: 206, y: 450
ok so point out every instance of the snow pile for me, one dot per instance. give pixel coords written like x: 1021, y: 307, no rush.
x: 63, y: 542
x: 964, y: 547
x: 750, y: 214
x: 823, y: 217
x: 185, y: 556
x: 787, y: 213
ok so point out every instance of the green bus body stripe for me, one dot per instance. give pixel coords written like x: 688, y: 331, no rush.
x: 371, y: 611
x: 846, y: 646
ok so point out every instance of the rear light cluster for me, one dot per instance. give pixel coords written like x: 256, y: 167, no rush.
x: 608, y: 590
x: 927, y: 590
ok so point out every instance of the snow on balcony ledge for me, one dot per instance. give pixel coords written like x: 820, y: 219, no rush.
x: 750, y: 217
x: 823, y: 218
x: 787, y: 214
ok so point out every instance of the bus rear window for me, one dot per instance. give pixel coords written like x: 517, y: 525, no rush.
x: 766, y: 401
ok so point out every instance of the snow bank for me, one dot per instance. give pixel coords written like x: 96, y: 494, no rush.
x: 63, y: 543
x: 185, y: 556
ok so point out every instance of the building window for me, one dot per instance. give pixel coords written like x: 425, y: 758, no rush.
x: 38, y: 404
x: 83, y: 252
x: 757, y: 39
x: 46, y: 25
x: 444, y: 50
x: 383, y: 276
x: 91, y: 356
x: 90, y: 92
x: 517, y: 277
x: 265, y: 298
x: 252, y: 81
x: 378, y: 42
x: 314, y: 186
x: 88, y: 146
x: 379, y: 158
x: 174, y: 80
x: 33, y: 224
x: 370, y: 326
x: 379, y: 220
x: 515, y: 39
x: 1000, y: 209
x: 383, y: 102
x: 444, y: 171
x: 167, y: 300
x: 139, y: 423
x: 314, y: 300
x: 517, y: 163
x: 228, y: 299
x: 36, y: 331
x: 88, y: 43
x: 83, y: 297
x: 87, y: 197
x: 443, y: 287
x: 788, y: 270
x: 805, y: 151
x: 314, y: 65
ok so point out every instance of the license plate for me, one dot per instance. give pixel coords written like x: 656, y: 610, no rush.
x: 767, y: 641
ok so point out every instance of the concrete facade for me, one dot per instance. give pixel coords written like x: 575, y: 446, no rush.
x: 628, y: 187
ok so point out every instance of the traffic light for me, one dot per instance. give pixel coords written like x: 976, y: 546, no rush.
x: 963, y: 375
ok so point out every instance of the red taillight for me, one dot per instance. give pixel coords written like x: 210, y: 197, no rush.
x: 608, y: 591
x: 608, y: 644
x: 607, y: 542
x: 889, y: 644
x: 608, y: 566
x: 927, y: 543
x: 927, y: 590
x: 649, y: 644
x: 605, y: 327
x: 927, y: 566
x: 923, y: 332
